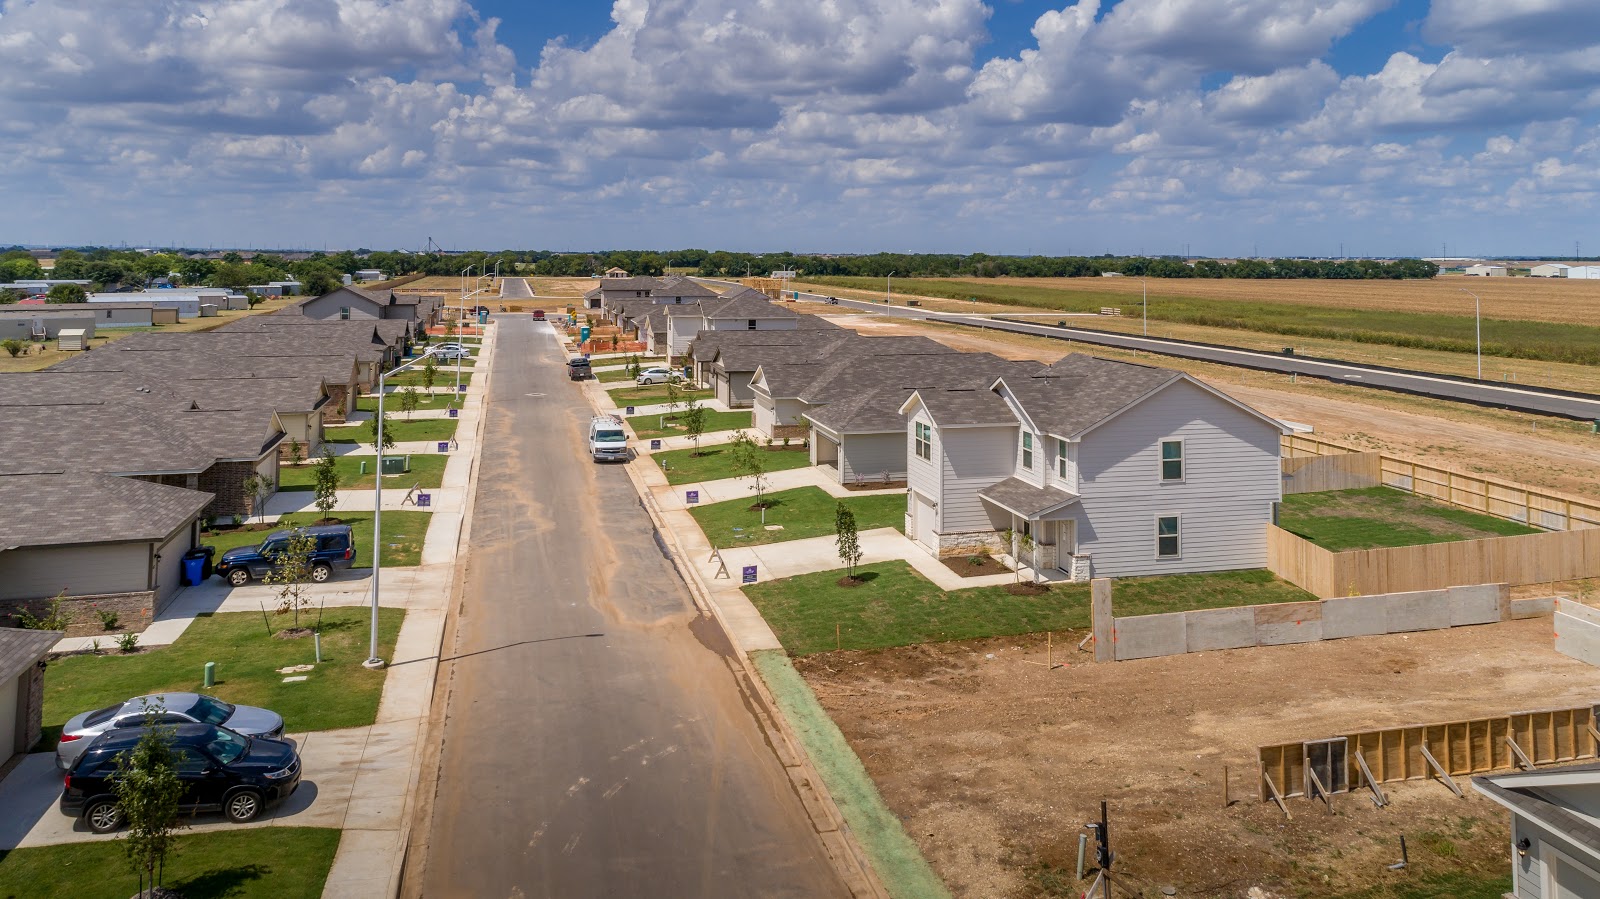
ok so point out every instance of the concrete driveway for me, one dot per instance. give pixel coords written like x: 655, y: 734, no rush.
x: 353, y: 778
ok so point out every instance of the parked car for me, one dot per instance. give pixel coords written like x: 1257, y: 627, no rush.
x: 336, y: 549
x: 578, y: 369
x: 221, y: 771
x: 657, y: 375
x: 538, y: 315
x: 177, y: 708
x: 452, y: 353
x: 608, y: 442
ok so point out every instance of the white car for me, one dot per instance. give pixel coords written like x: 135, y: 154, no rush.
x: 657, y: 376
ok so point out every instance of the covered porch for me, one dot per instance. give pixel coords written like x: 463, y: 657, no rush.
x: 1044, y: 530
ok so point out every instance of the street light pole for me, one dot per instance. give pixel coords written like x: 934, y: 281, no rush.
x: 1477, y: 318
x: 888, y: 285
x: 373, y: 660
x: 1144, y: 307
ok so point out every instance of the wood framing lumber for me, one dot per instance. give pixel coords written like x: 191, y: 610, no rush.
x: 1517, y: 751
x: 1277, y: 795
x: 1372, y: 782
x: 1439, y: 770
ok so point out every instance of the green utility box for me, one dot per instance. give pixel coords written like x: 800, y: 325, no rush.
x: 396, y: 464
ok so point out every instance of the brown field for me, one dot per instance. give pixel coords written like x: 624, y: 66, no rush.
x: 1532, y: 299
x: 994, y: 761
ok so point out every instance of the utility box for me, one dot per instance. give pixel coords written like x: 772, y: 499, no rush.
x: 396, y: 464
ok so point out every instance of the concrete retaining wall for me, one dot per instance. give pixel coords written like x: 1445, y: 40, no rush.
x: 1174, y: 633
x: 1577, y: 628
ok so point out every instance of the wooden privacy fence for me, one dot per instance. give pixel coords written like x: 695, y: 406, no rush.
x: 1425, y: 751
x: 1315, y: 474
x: 1503, y: 499
x: 1525, y: 559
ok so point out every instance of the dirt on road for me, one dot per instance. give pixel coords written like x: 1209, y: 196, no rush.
x: 994, y: 762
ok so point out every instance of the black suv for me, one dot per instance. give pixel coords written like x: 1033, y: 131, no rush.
x: 221, y: 771
x: 336, y: 548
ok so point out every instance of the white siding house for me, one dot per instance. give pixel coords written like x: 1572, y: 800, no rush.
x: 1112, y: 470
x: 1586, y: 272
x: 1555, y: 843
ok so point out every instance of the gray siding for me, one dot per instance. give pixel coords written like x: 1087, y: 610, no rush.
x: 1231, y: 480
x: 327, y: 306
x: 740, y: 395
x: 870, y: 455
x: 972, y: 459
x: 762, y: 416
x: 169, y: 570
x: 1527, y: 872
x: 924, y: 476
x: 83, y: 570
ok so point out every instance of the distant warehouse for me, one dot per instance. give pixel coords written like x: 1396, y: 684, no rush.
x: 1549, y: 270
x: 1589, y: 272
x: 1486, y: 271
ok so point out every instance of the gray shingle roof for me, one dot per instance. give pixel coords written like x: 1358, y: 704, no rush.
x: 877, y: 411
x: 79, y: 388
x: 106, y: 439
x: 963, y: 406
x: 745, y: 306
x: 1079, y: 391
x: 707, y: 344
x: 679, y: 286
x: 20, y: 649
x: 1025, y: 499
x: 67, y: 508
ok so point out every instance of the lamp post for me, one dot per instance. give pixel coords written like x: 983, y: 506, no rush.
x: 373, y: 660
x: 1477, y: 318
x: 888, y: 284
x: 1144, y: 307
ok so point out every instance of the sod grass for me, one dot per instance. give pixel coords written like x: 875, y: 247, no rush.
x: 655, y: 394
x: 396, y: 427
x: 800, y: 513
x: 657, y: 425
x: 425, y: 401
x: 1374, y: 517
x: 716, y: 462
x: 425, y: 471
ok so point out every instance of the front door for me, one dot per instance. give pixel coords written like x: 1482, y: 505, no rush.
x: 922, y: 515
x: 1066, y: 543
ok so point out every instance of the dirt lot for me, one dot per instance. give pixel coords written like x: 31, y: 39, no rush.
x: 994, y: 763
x: 1546, y: 452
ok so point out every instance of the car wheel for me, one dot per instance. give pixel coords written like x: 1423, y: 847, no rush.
x: 242, y: 806
x: 238, y: 577
x: 103, y: 816
x: 320, y: 573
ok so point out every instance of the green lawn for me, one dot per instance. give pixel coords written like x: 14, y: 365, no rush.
x: 426, y: 469
x: 654, y: 394
x: 612, y: 377
x: 684, y: 467
x: 391, y: 403
x: 403, y: 533
x: 647, y: 426
x: 802, y: 512
x: 252, y: 863
x: 398, y: 427
x: 1445, y: 885
x: 899, y: 607
x: 444, y: 377
x: 1339, y: 520
x: 338, y: 693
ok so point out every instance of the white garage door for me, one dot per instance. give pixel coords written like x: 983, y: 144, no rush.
x: 1572, y: 881
x: 922, y: 515
x: 763, y: 418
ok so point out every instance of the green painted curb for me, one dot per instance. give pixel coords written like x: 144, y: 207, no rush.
x: 900, y: 865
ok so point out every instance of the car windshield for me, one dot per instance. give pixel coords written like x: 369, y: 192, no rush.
x: 211, y: 711
x: 273, y: 547
x: 609, y: 436
x: 226, y: 746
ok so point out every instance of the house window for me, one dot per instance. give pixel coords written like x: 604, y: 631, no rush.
x: 344, y: 312
x: 750, y: 325
x: 1027, y: 451
x: 1168, y: 540
x: 924, y: 441
x: 1061, y: 458
x: 1172, y: 460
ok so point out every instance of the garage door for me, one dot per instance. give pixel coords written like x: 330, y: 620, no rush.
x: 763, y: 419
x: 1572, y: 881
x: 169, y: 571
x: 923, y: 522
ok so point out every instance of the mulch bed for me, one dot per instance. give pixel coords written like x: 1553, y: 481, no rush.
x: 876, y: 485
x: 963, y: 565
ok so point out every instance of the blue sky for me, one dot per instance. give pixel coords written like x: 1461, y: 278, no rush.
x: 1225, y: 126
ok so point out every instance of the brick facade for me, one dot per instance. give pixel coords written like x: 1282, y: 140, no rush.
x: 793, y: 432
x: 225, y: 481
x: 135, y: 612
x: 33, y: 710
x: 334, y: 411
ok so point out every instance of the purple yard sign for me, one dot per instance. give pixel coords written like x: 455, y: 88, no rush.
x: 462, y: 388
x: 691, y: 496
x: 424, y: 499
x: 749, y: 574
x: 454, y: 412
x: 655, y: 444
x: 630, y: 410
x: 444, y: 446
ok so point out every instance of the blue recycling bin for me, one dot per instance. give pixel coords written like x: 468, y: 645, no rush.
x: 194, y: 567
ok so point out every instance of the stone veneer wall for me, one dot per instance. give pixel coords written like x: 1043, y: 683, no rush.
x: 225, y: 481
x: 791, y: 431
x: 334, y: 411
x: 134, y: 611
x: 966, y: 544
x: 35, y: 705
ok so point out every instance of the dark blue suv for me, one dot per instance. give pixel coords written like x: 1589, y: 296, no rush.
x: 336, y: 548
x: 221, y: 771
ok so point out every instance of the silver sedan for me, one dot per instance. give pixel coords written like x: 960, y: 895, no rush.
x: 175, y: 708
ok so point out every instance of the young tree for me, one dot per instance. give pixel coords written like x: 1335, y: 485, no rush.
x: 372, y: 431
x: 1021, y: 544
x: 674, y: 393
x: 633, y: 367
x: 297, y: 452
x: 254, y: 486
x: 147, y: 790
x: 326, y: 482
x: 694, y: 422
x: 847, y: 541
x: 430, y: 372
x: 409, y: 401
x: 750, y: 460
x: 291, y: 571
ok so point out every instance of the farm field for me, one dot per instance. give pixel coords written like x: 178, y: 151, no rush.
x: 993, y: 761
x: 1544, y: 319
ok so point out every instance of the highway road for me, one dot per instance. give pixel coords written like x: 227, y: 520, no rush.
x: 1581, y: 406
x: 596, y: 742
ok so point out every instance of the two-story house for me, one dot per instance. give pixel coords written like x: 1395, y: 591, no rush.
x: 783, y: 392
x: 1110, y: 470
x: 740, y: 309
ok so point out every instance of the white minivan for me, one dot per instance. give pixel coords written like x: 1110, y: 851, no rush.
x: 608, y: 442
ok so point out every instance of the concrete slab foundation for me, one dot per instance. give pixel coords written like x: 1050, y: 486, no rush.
x: 1150, y: 636
x: 1210, y: 629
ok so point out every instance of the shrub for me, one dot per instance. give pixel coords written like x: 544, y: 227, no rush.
x: 109, y: 620
x: 54, y: 619
x: 128, y: 643
x: 13, y: 346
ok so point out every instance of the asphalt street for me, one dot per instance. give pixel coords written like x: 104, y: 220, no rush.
x: 596, y: 742
x: 1581, y: 406
x: 515, y: 289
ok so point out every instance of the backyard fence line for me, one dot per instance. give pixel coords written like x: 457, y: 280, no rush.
x: 1519, y: 560
x: 1316, y: 474
x: 1522, y: 503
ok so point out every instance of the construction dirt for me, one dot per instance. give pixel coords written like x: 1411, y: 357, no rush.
x: 994, y: 761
